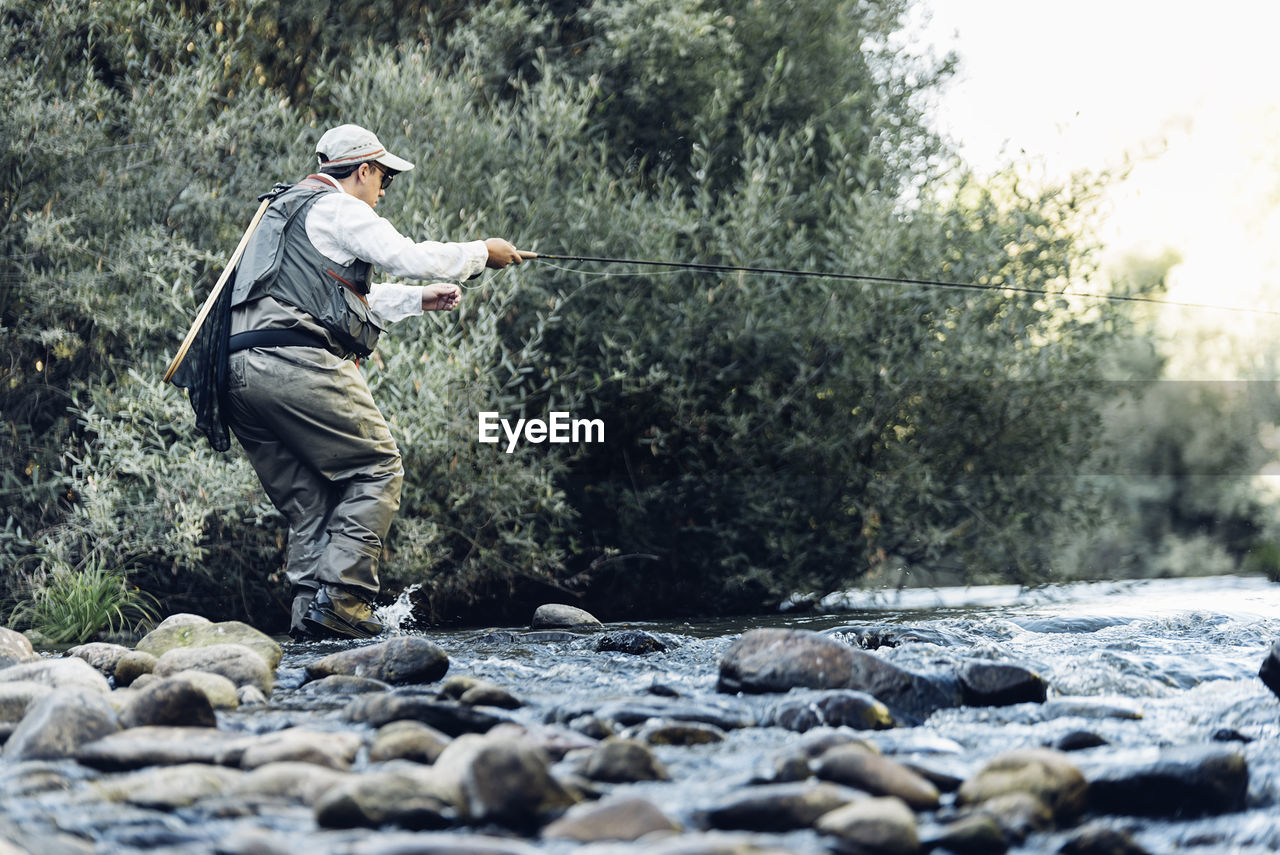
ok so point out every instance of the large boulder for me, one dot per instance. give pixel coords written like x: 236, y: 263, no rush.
x: 508, y: 781
x: 778, y: 807
x: 1046, y: 776
x: 68, y: 673
x: 169, y: 787
x: 997, y: 684
x: 1270, y: 670
x: 617, y: 761
x: 1184, y: 781
x: 449, y: 717
x: 623, y: 819
x: 173, y: 702
x: 407, y: 659
x: 778, y: 660
x: 100, y: 655
x: 406, y: 798
x: 559, y: 616
x: 883, y: 825
x: 240, y: 664
x: 855, y: 766
x: 15, y: 648
x: 835, y: 708
x: 179, y: 631
x: 16, y: 697
x: 59, y: 723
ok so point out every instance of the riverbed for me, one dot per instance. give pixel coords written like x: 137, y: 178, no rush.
x: 1146, y: 665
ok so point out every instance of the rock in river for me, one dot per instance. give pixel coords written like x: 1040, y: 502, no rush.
x: 559, y: 616
x: 1270, y: 670
x: 1048, y: 776
x: 1184, y: 781
x: 995, y: 684
x: 240, y: 664
x: 407, y: 659
x: 778, y: 660
x: 194, y: 631
x: 57, y: 724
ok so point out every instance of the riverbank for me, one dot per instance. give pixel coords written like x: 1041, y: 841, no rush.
x: 1073, y: 717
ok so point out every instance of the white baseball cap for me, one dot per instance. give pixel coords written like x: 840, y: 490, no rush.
x: 349, y: 145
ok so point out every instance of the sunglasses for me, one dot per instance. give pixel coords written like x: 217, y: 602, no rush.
x: 386, y: 176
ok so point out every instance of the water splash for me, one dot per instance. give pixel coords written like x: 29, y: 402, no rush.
x: 398, y: 617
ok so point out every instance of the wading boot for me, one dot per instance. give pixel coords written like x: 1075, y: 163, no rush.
x: 337, y: 612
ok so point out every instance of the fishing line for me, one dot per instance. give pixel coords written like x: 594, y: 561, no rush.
x: 931, y: 283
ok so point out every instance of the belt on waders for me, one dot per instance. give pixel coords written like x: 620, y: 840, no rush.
x: 275, y: 338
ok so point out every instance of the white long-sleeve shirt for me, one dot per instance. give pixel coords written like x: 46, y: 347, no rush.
x: 345, y: 229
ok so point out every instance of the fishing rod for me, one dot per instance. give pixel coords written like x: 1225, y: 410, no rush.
x: 865, y: 277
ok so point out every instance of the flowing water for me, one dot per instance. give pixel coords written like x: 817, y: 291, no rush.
x: 1181, y: 654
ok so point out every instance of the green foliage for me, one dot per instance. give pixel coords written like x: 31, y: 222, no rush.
x: 764, y: 435
x: 72, y: 605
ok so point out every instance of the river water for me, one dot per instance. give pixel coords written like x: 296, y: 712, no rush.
x: 1182, y: 654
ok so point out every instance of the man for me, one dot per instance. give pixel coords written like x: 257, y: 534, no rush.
x: 302, y: 310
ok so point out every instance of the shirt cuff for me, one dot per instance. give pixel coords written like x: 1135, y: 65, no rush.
x: 395, y: 301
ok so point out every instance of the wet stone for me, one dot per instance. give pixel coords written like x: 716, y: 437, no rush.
x: 1101, y: 840
x: 100, y: 655
x: 489, y: 695
x: 1047, y: 776
x: 343, y: 685
x: 303, y: 745
x: 59, y: 723
x: 686, y: 733
x: 164, y: 746
x: 880, y: 776
x: 1270, y: 670
x: 778, y: 660
x: 509, y: 782
x: 1087, y: 707
x: 617, y: 761
x: 449, y: 717
x: 640, y: 710
x: 407, y: 659
x: 778, y: 807
x: 192, y: 631
x: 68, y: 673
x: 132, y: 665
x: 15, y: 645
x: 407, y: 740
x: 976, y: 834
x: 993, y: 684
x: 400, y: 798
x: 838, y: 708
x: 883, y: 825
x: 299, y: 783
x: 623, y: 819
x: 17, y: 696
x: 169, y: 787
x: 1078, y: 740
x: 1185, y: 781
x: 632, y: 641
x: 242, y: 665
x: 560, y: 616
x: 173, y: 702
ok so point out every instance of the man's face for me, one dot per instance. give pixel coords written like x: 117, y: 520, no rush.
x: 371, y: 183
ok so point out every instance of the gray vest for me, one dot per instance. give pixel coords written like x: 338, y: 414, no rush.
x: 281, y: 262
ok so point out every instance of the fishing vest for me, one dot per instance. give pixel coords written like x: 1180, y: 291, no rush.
x: 281, y: 262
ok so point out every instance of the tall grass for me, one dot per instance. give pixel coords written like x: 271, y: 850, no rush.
x: 74, y: 604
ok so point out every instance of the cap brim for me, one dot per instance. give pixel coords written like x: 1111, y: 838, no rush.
x: 390, y: 161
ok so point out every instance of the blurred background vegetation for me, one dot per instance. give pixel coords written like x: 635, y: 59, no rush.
x: 766, y: 437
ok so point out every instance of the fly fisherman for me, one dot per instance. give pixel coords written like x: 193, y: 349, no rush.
x: 302, y: 309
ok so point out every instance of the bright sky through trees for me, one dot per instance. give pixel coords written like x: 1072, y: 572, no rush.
x: 1187, y: 94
